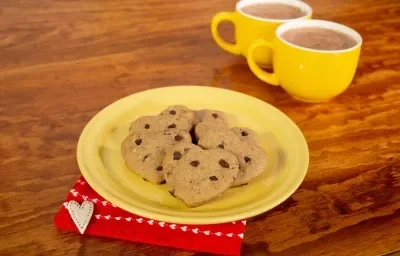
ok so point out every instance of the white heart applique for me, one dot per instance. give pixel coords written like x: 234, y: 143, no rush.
x: 81, y: 214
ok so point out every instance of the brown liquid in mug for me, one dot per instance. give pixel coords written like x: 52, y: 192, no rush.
x: 275, y: 11
x: 319, y: 38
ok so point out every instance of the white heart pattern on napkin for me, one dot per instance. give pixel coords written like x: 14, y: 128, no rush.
x: 81, y: 214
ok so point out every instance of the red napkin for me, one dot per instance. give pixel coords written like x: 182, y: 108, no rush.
x: 110, y: 221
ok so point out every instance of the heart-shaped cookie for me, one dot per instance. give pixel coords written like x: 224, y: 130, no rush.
x: 252, y: 158
x: 202, y: 175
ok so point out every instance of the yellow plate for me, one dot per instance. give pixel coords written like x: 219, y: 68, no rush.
x: 101, y: 163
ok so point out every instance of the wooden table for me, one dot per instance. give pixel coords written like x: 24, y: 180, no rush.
x: 63, y: 61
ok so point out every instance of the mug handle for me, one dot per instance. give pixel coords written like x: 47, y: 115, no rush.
x: 267, y: 77
x: 218, y: 18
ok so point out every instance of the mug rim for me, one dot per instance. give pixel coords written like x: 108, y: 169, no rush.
x: 296, y: 3
x: 319, y: 24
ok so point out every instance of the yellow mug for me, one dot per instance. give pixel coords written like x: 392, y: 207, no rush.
x: 249, y: 28
x: 307, y: 74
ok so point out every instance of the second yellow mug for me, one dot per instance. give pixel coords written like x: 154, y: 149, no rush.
x: 249, y: 28
x: 308, y: 74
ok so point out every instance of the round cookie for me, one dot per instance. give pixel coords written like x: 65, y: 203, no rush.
x: 201, y: 176
x: 246, y: 135
x: 209, y: 114
x: 208, y: 126
x: 174, y: 155
x: 144, y: 152
x: 179, y: 111
x: 158, y: 124
x: 252, y: 158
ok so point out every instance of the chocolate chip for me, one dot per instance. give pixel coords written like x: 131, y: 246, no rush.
x: 159, y: 168
x: 213, y: 178
x: 172, y: 126
x: 247, y: 159
x: 244, y: 133
x: 138, y: 141
x: 145, y: 157
x: 177, y: 155
x: 144, y: 179
x: 171, y: 192
x: 178, y: 137
x: 172, y: 112
x: 215, y: 116
x: 163, y: 182
x: 195, y: 163
x: 146, y: 126
x: 186, y: 150
x: 224, y: 163
x: 221, y: 146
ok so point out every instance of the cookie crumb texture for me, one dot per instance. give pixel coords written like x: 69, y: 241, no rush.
x: 210, y: 115
x: 209, y: 126
x: 163, y: 149
x: 246, y: 135
x: 144, y: 152
x: 180, y: 112
x: 174, y: 155
x: 158, y: 124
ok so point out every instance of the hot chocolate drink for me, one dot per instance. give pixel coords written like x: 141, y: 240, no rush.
x: 276, y: 11
x: 319, y: 38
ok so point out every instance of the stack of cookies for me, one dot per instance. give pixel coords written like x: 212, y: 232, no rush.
x: 195, y: 152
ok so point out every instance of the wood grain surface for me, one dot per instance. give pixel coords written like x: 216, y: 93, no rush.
x: 61, y: 61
